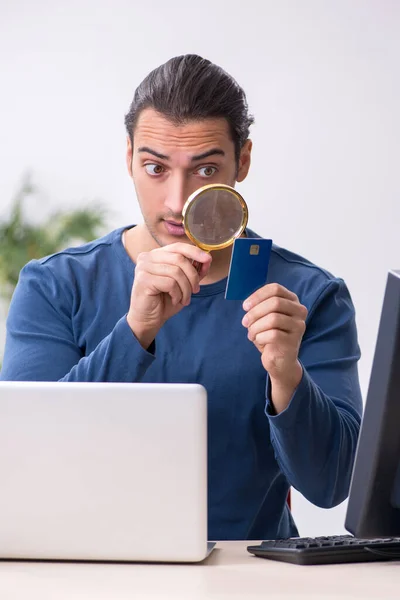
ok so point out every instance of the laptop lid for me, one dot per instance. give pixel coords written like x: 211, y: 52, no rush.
x: 103, y: 471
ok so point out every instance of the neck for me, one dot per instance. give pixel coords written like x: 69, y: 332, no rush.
x: 219, y: 266
x: 138, y: 239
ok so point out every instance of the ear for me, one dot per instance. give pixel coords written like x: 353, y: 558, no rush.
x: 244, y: 161
x: 129, y: 155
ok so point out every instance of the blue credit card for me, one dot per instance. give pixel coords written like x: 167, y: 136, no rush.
x: 248, y: 270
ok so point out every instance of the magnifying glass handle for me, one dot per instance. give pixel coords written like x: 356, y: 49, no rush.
x: 197, y: 265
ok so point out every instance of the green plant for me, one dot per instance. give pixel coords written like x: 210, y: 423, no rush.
x: 22, y: 240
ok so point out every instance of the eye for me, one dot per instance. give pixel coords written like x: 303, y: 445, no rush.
x: 207, y: 171
x: 154, y: 169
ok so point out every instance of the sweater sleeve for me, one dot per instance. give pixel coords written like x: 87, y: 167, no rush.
x: 315, y: 438
x: 40, y: 343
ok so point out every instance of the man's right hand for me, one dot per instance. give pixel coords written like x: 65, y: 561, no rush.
x: 165, y: 280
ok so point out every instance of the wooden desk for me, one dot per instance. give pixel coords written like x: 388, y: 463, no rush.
x: 229, y: 573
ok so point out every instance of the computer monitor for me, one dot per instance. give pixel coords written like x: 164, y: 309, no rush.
x: 374, y: 502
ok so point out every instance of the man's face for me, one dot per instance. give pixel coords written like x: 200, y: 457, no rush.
x: 169, y: 162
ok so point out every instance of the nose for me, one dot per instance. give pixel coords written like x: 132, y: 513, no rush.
x: 176, y: 194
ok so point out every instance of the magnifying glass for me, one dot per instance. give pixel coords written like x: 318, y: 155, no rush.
x: 214, y: 216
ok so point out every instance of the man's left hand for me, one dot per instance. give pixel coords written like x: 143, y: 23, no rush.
x: 275, y: 320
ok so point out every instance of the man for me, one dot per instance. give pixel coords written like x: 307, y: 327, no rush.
x: 280, y: 370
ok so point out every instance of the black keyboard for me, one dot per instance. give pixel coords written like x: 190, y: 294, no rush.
x: 327, y: 550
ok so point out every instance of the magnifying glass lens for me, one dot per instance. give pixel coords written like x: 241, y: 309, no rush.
x: 215, y: 216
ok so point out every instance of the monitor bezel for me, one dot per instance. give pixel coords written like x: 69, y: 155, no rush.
x: 370, y: 510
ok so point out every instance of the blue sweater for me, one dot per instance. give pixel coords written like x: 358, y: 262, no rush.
x: 67, y: 322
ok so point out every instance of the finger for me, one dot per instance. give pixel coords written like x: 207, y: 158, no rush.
x: 195, y: 270
x: 269, y: 291
x: 275, y: 337
x: 161, y: 284
x: 275, y: 305
x: 271, y: 321
x: 204, y: 269
x: 201, y: 268
x: 188, y: 267
x: 177, y: 274
x: 188, y: 250
x: 278, y: 337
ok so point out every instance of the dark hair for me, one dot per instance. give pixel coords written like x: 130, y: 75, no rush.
x: 190, y: 87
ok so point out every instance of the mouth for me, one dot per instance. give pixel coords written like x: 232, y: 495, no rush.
x: 174, y: 228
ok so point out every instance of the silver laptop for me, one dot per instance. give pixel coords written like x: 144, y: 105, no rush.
x: 103, y: 471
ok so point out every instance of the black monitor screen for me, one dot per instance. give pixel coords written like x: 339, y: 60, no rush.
x: 374, y: 501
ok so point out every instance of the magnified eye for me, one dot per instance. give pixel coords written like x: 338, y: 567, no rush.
x: 207, y: 171
x: 153, y: 169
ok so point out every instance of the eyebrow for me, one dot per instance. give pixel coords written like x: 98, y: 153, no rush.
x: 212, y: 152
x: 153, y: 152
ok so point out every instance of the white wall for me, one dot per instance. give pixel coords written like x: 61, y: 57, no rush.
x: 322, y: 79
